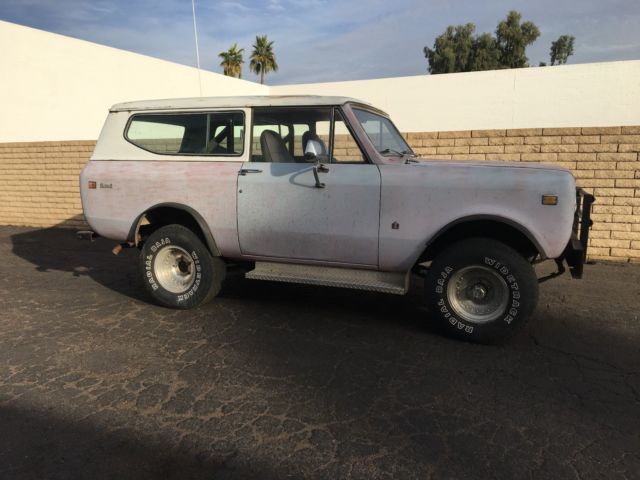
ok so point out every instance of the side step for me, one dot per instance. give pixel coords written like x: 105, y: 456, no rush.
x: 384, y: 282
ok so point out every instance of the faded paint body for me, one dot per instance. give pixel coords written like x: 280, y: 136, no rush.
x: 209, y: 188
x: 276, y: 213
x: 283, y: 215
x: 424, y: 198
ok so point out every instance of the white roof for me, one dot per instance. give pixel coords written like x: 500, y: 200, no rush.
x: 234, y: 102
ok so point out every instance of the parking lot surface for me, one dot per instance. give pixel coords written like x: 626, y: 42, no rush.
x: 280, y: 381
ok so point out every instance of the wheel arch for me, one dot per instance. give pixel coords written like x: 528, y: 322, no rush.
x: 168, y: 213
x: 490, y: 226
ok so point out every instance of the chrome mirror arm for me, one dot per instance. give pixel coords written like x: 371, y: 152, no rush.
x: 319, y: 184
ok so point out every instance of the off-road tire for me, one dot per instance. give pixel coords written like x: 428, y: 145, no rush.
x: 178, y: 270
x: 481, y: 290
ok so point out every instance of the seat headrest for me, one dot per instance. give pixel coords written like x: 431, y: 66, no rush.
x: 273, y: 148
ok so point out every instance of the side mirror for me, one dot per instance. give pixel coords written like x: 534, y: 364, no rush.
x: 312, y: 150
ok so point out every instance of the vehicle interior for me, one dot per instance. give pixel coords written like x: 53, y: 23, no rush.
x: 215, y: 134
x: 281, y: 135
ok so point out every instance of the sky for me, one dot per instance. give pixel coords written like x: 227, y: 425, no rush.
x: 328, y: 40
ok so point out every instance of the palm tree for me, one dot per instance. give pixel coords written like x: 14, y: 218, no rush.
x: 232, y: 61
x: 263, y: 59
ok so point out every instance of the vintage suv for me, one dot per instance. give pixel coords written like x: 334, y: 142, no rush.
x: 326, y: 191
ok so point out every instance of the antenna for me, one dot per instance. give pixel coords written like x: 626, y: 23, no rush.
x: 195, y: 34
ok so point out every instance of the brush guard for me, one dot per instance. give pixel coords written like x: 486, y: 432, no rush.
x: 575, y: 253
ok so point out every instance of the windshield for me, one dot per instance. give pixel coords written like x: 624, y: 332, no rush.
x: 382, y: 133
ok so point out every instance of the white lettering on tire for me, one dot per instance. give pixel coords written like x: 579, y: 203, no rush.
x: 511, y: 313
x: 453, y: 320
x: 196, y: 284
x: 149, y: 272
x: 513, y: 286
x: 160, y: 243
x: 444, y: 274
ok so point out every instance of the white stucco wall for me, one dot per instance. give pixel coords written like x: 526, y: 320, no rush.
x: 59, y: 88
x: 597, y: 94
x: 54, y: 87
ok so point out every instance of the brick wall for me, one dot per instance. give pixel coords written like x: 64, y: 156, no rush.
x: 39, y: 181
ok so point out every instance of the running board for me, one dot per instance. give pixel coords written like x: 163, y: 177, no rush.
x: 371, y: 280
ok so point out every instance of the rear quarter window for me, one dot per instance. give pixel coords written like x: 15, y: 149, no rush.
x: 210, y: 134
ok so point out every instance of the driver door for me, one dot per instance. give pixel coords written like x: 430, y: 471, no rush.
x: 285, y: 213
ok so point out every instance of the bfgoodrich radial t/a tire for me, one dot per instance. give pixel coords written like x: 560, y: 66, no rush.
x: 178, y: 270
x: 481, y: 290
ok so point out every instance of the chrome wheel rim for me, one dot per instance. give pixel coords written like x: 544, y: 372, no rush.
x: 174, y: 269
x: 477, y: 294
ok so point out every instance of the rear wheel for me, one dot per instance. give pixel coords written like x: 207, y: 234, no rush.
x: 178, y: 270
x: 481, y: 290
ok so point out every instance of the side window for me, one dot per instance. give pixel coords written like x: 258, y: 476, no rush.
x: 282, y: 134
x: 345, y: 148
x: 225, y: 135
x: 157, y: 133
x: 216, y: 134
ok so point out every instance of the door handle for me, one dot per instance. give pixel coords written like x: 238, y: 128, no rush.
x: 244, y: 171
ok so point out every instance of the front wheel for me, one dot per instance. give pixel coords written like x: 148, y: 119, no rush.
x: 481, y: 290
x: 178, y: 270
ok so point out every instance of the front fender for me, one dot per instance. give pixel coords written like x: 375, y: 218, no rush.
x: 422, y: 201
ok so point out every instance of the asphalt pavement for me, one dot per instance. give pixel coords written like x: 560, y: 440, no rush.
x: 276, y: 381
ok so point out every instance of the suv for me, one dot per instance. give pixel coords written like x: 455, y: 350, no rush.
x: 326, y: 191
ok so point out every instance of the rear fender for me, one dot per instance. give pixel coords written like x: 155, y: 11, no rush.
x: 134, y: 236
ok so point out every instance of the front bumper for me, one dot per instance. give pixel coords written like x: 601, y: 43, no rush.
x: 576, y: 251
